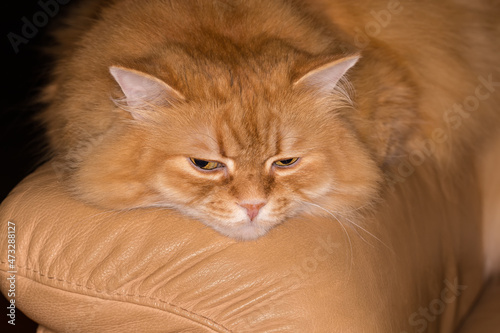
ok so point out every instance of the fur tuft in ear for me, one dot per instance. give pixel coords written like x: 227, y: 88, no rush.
x: 325, y: 78
x: 142, y: 90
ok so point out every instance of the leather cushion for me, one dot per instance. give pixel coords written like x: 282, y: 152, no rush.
x: 80, y: 269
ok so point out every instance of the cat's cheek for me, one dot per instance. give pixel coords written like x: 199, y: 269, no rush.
x: 312, y: 178
x: 312, y: 183
x: 168, y: 187
x: 110, y: 192
x: 320, y: 181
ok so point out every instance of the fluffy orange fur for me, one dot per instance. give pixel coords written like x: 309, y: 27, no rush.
x: 248, y: 83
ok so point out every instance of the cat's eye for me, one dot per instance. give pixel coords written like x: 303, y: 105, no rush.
x: 205, y: 165
x: 286, y: 162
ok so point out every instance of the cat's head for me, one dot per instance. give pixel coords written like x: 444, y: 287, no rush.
x: 240, y: 162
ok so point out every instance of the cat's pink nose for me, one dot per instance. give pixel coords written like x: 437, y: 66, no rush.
x: 252, y: 208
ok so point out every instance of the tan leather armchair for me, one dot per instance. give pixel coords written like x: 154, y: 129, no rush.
x: 414, y: 267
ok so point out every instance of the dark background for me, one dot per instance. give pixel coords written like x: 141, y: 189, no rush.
x: 21, y: 138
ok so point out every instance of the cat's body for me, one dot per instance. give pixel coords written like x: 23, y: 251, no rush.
x: 303, y: 106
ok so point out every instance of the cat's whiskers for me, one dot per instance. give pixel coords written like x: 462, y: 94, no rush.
x: 343, y: 227
x: 358, y: 208
x: 369, y: 233
x: 343, y: 216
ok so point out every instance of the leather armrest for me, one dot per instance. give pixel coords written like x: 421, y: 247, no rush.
x: 80, y: 269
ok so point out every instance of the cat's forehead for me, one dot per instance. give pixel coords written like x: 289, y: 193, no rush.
x: 250, y: 136
x: 247, y: 133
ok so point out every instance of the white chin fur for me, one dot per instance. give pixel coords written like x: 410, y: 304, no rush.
x: 247, y: 231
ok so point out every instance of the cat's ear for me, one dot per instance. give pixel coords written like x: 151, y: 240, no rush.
x: 325, y: 78
x: 142, y: 89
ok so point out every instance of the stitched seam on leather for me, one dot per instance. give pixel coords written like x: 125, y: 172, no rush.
x: 123, y: 294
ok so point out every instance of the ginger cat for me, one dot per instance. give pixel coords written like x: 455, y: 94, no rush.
x: 242, y: 114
